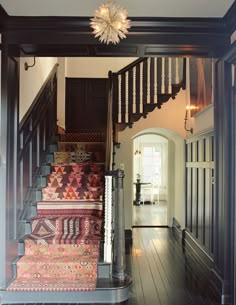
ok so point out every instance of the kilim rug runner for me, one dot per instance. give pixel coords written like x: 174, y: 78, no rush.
x: 61, y: 253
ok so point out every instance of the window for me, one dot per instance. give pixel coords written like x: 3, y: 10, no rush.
x: 151, y: 160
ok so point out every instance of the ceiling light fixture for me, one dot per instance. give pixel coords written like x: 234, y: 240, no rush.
x: 110, y: 23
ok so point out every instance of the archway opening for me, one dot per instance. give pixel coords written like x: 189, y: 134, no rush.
x: 150, y: 176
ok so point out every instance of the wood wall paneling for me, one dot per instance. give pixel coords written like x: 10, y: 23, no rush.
x: 199, y: 189
x: 8, y: 164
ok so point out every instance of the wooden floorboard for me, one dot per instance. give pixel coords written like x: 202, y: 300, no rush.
x: 161, y: 272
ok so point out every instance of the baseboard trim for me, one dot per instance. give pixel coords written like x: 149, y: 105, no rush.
x: 197, y: 249
x: 219, y: 287
x: 128, y: 235
x: 222, y: 288
x: 177, y: 231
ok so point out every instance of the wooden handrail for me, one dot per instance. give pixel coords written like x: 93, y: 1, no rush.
x: 131, y: 65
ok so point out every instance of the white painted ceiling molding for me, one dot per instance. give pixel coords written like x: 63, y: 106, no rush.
x: 135, y: 8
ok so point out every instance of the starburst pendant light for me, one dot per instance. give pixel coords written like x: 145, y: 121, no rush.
x: 110, y: 23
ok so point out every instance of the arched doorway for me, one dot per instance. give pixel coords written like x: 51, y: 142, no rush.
x: 150, y: 173
x: 171, y: 189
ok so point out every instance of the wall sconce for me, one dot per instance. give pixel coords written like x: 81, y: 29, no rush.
x: 186, y: 119
x: 27, y: 66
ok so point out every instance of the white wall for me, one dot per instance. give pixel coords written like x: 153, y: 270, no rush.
x: 32, y: 80
x: 168, y: 122
x: 204, y: 120
x: 95, y: 67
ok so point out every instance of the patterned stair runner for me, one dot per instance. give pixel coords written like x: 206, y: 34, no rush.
x: 61, y: 253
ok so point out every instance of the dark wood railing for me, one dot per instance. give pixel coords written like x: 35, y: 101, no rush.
x: 109, y: 132
x: 36, y: 130
x: 144, y: 85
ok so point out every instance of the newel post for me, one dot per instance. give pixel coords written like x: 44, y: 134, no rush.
x: 119, y: 263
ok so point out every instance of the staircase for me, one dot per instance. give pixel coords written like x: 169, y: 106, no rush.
x: 62, y: 257
x: 71, y: 248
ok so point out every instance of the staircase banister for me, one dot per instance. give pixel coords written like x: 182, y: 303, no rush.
x: 131, y: 65
x: 34, y: 103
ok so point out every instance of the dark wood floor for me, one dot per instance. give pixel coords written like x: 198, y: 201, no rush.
x: 162, y: 273
x: 150, y: 214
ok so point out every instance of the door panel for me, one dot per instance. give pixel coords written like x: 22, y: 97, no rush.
x: 86, y: 104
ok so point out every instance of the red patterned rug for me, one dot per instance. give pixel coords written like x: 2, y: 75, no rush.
x: 61, y: 253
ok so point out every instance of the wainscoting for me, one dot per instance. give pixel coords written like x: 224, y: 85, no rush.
x: 200, y: 189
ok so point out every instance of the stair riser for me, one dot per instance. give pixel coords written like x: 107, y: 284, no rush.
x: 104, y: 270
x: 69, y: 270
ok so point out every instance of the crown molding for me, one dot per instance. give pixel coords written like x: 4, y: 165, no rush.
x: 72, y: 36
x: 148, y: 36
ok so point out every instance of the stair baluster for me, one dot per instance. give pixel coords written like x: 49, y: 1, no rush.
x: 108, y: 220
x: 144, y: 85
x: 127, y: 97
x: 148, y: 80
x: 134, y: 90
x: 176, y: 70
x: 155, y: 81
x: 163, y: 75
x: 141, y: 88
x: 119, y: 99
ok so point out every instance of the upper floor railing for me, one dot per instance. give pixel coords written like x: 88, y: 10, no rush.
x: 144, y: 85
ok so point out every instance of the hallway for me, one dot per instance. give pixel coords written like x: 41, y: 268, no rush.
x: 163, y: 273
x: 145, y: 215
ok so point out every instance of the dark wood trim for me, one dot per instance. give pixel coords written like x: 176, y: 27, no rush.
x: 9, y: 143
x: 130, y: 66
x: 72, y: 36
x: 230, y: 19
x: 3, y: 18
x: 224, y: 217
x: 177, y: 231
x: 197, y: 249
x: 230, y: 57
x: 219, y: 287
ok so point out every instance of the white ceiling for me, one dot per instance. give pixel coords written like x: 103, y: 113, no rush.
x: 138, y: 8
